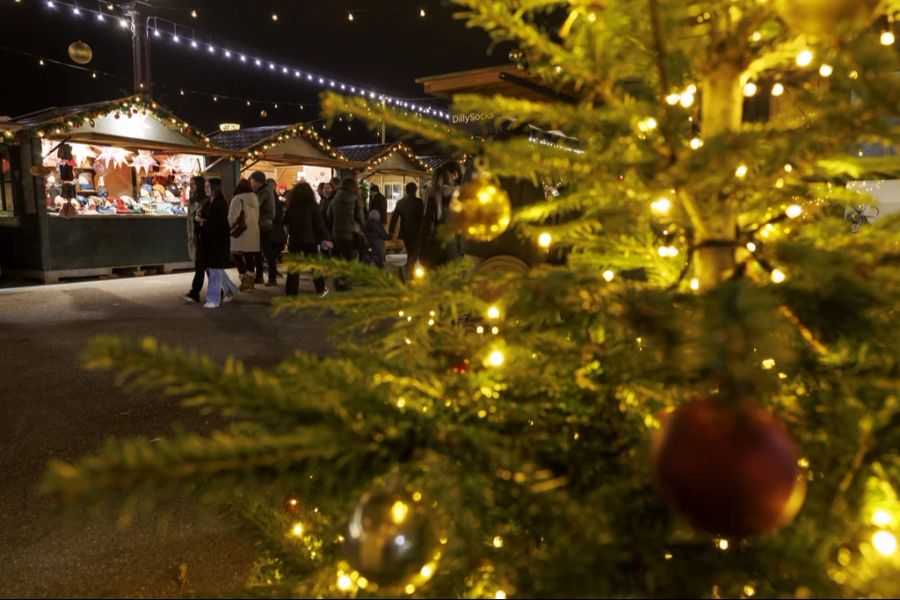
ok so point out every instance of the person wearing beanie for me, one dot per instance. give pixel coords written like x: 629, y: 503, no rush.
x: 266, y: 196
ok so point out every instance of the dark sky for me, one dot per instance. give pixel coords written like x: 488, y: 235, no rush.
x: 386, y: 46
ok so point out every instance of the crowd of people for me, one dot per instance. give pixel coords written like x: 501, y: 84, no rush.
x: 253, y: 230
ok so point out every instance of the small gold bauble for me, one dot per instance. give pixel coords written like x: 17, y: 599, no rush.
x: 481, y: 210
x: 826, y: 18
x: 263, y: 114
x: 80, y: 52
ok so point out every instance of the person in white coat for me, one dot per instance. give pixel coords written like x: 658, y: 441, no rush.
x: 245, y: 245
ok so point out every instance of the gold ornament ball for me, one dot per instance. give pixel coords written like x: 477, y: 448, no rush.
x: 388, y: 538
x: 263, y: 114
x: 826, y: 18
x: 80, y: 52
x: 481, y: 210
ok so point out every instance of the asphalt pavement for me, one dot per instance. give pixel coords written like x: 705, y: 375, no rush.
x: 51, y: 407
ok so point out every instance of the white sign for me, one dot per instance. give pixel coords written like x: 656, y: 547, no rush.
x: 229, y: 126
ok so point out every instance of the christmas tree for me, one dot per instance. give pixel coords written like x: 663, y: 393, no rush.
x: 693, y: 392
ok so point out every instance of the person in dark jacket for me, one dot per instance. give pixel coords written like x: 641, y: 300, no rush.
x: 375, y: 236
x: 195, y: 202
x: 335, y: 186
x: 266, y: 194
x: 378, y: 202
x: 433, y: 251
x: 279, y: 238
x: 306, y: 230
x: 410, y: 209
x: 345, y: 213
x: 215, y: 244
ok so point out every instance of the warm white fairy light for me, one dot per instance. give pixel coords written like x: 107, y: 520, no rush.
x: 885, y: 542
x: 661, y: 206
x: 673, y: 98
x: 696, y: 143
x: 793, y: 211
x: 741, y: 171
x: 608, y: 275
x: 544, y: 240
x: 493, y: 313
x: 422, y: 12
x: 804, y: 58
x: 495, y: 359
x: 777, y: 89
x: 350, y: 16
x: 825, y: 70
x: 881, y: 518
x: 887, y: 38
x: 695, y: 284
x: 778, y: 276
x: 750, y: 89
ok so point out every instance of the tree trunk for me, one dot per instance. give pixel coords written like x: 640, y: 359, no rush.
x: 722, y: 104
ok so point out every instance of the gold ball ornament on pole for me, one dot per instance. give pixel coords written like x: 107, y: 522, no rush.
x: 826, y: 18
x: 80, y: 52
x: 480, y: 209
x: 263, y: 114
x: 389, y: 538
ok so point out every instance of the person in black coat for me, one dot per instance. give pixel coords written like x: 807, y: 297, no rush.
x: 378, y: 202
x: 215, y: 243
x: 306, y: 230
x: 410, y: 210
x: 376, y: 236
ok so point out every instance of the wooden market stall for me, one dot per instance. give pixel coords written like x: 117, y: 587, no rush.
x: 286, y: 153
x: 390, y: 166
x: 98, y: 187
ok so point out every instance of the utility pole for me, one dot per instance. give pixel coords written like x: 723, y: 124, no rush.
x: 383, y: 128
x: 140, y: 49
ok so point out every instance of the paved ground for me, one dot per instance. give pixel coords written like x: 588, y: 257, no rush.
x: 51, y: 407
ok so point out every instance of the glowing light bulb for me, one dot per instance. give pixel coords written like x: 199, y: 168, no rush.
x: 495, y: 359
x: 881, y: 518
x: 493, y: 313
x: 608, y: 275
x: 750, y: 89
x: 826, y: 70
x: 722, y: 544
x: 648, y: 124
x: 274, y: 16
x: 805, y: 58
x: 297, y: 529
x: 661, y: 206
x: 500, y: 594
x: 793, y: 211
x: 349, y: 16
x: 686, y: 100
x: 673, y: 99
x: 768, y: 364
x: 885, y: 542
x: 749, y: 590
x: 741, y: 171
x: 123, y: 23
x: 778, y: 276
x: 344, y: 582
x: 544, y: 240
x: 422, y: 12
x: 777, y: 89
x: 696, y: 143
x: 887, y: 38
x: 498, y: 541
x: 419, y: 271
x: 695, y: 284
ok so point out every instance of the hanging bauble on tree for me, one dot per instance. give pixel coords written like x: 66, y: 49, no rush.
x: 480, y: 209
x: 826, y: 18
x: 731, y: 469
x: 80, y: 52
x: 388, y: 538
x: 263, y: 114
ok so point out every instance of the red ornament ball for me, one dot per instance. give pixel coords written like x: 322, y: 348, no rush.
x: 731, y: 470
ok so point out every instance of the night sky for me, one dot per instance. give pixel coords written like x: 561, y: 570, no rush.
x: 386, y: 47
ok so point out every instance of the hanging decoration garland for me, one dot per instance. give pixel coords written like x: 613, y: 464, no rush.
x: 259, y: 150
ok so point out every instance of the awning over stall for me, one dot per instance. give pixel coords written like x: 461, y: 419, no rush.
x: 133, y: 123
x: 297, y: 144
x: 392, y: 159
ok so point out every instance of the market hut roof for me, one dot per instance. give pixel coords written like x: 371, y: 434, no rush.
x: 286, y: 144
x: 435, y: 162
x: 396, y: 158
x: 506, y: 80
x: 132, y: 122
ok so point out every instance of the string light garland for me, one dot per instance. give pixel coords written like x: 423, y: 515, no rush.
x: 259, y: 150
x: 162, y: 29
x: 406, y: 151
